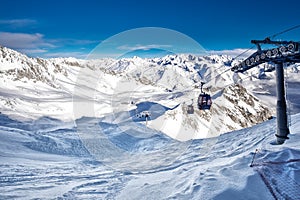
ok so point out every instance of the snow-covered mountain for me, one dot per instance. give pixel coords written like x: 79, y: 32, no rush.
x: 70, y: 129
x: 118, y: 90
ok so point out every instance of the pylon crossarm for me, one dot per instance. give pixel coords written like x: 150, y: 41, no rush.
x: 286, y: 52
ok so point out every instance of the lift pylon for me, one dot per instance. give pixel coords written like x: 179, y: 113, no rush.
x: 286, y: 52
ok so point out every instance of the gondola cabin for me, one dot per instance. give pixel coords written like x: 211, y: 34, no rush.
x: 204, y: 101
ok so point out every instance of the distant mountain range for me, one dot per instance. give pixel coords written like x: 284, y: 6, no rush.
x: 117, y: 90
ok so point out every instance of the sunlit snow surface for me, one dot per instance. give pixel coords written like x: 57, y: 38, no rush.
x: 45, y: 159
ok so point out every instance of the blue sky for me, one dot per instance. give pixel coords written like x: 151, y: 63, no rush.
x: 74, y: 28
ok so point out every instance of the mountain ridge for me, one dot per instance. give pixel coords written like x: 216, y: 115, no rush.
x: 34, y: 87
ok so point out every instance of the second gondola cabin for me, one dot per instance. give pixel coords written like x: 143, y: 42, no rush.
x: 190, y: 109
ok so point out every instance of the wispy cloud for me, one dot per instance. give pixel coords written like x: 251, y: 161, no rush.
x: 234, y: 52
x: 75, y: 54
x: 37, y: 44
x: 18, y: 23
x: 33, y: 51
x: 70, y: 41
x: 24, y: 40
x: 143, y: 47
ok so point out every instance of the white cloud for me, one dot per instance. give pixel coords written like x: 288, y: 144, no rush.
x: 37, y: 40
x: 66, y: 55
x: 143, y: 47
x: 23, y: 40
x: 33, y: 51
x: 234, y: 52
x: 98, y: 55
x: 70, y: 41
x: 18, y: 23
x: 37, y: 44
x: 242, y: 53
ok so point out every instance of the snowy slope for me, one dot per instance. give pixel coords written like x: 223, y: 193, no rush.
x: 46, y: 159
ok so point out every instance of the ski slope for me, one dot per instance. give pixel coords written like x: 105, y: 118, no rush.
x: 47, y: 159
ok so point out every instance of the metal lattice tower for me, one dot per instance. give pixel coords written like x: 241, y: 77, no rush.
x: 286, y: 52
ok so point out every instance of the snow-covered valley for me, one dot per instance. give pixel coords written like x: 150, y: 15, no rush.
x: 72, y: 129
x: 46, y: 159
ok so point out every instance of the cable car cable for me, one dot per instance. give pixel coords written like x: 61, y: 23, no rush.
x: 284, y: 31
